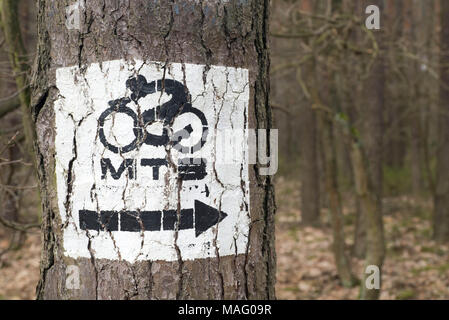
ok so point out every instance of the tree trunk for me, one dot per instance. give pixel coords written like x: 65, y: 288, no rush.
x: 359, y: 248
x: 18, y: 59
x: 395, y: 147
x: 441, y: 201
x: 368, y: 160
x: 375, y: 242
x: 372, y: 131
x: 310, y: 171
x: 373, y: 115
x: 330, y: 164
x: 223, y: 247
x: 310, y: 174
x: 428, y: 89
x: 17, y: 55
x: 422, y: 83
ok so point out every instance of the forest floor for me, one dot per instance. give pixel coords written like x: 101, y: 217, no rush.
x: 415, y: 267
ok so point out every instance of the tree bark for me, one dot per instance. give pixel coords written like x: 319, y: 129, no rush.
x: 209, y: 32
x: 375, y: 242
x: 441, y: 200
x: 310, y: 173
x: 374, y: 93
x: 18, y: 59
x: 372, y: 129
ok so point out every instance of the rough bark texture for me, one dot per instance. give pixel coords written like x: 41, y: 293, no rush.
x: 230, y: 33
x: 441, y: 215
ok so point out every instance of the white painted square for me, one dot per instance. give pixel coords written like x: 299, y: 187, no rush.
x: 222, y: 96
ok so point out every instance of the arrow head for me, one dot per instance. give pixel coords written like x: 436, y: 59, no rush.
x: 206, y: 217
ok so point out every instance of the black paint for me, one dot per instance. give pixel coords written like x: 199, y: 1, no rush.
x: 151, y: 220
x: 119, y: 106
x: 155, y: 164
x: 117, y: 174
x: 206, y: 217
x: 206, y: 190
x: 178, y: 104
x: 90, y: 220
x: 201, y: 218
x: 130, y: 221
x: 189, y: 170
x: 170, y: 219
x: 133, y: 221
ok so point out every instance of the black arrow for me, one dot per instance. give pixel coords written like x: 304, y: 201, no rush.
x: 134, y: 221
x: 206, y: 217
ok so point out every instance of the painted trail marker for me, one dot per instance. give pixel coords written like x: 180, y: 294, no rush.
x: 138, y: 150
x: 201, y: 218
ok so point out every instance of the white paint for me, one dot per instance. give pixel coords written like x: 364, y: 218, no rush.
x: 84, y: 96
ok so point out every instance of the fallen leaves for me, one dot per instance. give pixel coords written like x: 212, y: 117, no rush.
x: 415, y: 267
x: 19, y: 270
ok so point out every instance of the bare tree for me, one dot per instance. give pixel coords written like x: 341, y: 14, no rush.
x: 441, y: 215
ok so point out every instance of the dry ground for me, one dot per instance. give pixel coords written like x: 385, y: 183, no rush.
x: 19, y: 269
x: 415, y: 268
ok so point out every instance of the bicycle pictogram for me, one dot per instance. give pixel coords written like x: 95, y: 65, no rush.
x: 179, y: 104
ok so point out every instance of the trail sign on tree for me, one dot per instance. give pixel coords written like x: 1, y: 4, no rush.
x: 168, y: 195
x: 142, y: 111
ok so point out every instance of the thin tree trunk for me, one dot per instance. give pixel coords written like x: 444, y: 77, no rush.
x: 375, y: 243
x: 368, y: 162
x: 328, y: 149
x: 211, y: 33
x: 17, y: 54
x: 419, y: 103
x: 441, y: 200
x: 359, y: 248
x: 329, y: 158
x: 373, y: 116
x: 427, y: 37
x: 18, y: 59
x: 395, y: 146
x: 310, y: 173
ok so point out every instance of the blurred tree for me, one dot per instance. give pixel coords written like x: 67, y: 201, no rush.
x: 12, y: 167
x: 310, y: 169
x: 18, y: 59
x: 441, y: 200
x: 367, y: 157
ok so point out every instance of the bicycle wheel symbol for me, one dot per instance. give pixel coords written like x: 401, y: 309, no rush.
x: 179, y: 104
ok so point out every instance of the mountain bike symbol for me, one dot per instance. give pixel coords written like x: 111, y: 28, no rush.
x: 166, y: 113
